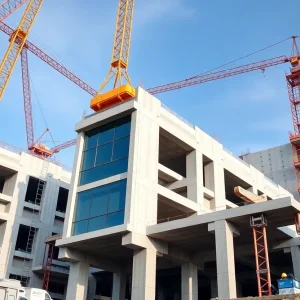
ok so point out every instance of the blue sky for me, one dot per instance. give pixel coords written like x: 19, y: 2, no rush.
x: 172, y: 40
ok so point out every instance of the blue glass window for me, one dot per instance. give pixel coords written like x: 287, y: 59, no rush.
x: 115, y: 219
x: 80, y: 227
x: 100, y: 208
x: 104, y: 154
x: 83, y: 205
x: 106, y: 151
x: 91, y: 140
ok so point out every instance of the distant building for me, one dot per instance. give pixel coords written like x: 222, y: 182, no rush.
x: 33, y: 200
x: 277, y: 164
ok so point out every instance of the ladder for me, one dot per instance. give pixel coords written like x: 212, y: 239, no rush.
x: 27, y: 263
x: 259, y: 224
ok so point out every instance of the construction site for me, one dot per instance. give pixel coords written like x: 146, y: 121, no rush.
x: 153, y: 208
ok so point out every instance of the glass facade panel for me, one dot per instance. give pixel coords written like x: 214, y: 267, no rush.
x: 115, y: 219
x: 107, y: 149
x: 104, y: 171
x: 80, y: 227
x: 91, y: 140
x: 97, y: 223
x: 122, y: 128
x: 106, y: 134
x: 100, y: 207
x: 83, y: 205
x: 104, y: 154
x: 99, y: 202
x: 89, y: 159
x: 121, y: 148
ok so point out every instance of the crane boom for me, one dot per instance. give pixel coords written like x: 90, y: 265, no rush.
x: 14, y: 49
x: 119, y: 61
x: 8, y: 7
x: 261, y: 65
x: 51, y: 61
x: 63, y: 146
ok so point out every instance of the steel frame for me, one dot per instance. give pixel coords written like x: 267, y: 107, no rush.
x: 259, y: 224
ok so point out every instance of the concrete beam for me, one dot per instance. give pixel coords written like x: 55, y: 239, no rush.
x: 137, y: 241
x: 287, y: 243
x: 167, y: 174
x: 171, y: 198
x: 73, y: 256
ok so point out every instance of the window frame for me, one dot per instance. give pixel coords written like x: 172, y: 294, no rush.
x: 96, y: 146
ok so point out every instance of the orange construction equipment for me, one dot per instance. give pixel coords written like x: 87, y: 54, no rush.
x: 259, y: 224
x: 119, y: 62
x: 17, y: 42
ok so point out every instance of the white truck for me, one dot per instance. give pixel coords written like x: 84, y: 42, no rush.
x: 12, y: 290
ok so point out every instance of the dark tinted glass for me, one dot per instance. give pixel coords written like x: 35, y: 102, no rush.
x: 117, y: 196
x: 80, y: 227
x: 106, y: 134
x: 104, y: 171
x: 104, y: 154
x: 121, y: 148
x: 122, y: 128
x: 115, y: 219
x: 97, y: 223
x: 83, y: 205
x: 91, y: 139
x: 99, y: 202
x: 89, y: 159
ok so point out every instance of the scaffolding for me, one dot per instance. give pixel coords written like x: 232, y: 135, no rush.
x: 48, y: 258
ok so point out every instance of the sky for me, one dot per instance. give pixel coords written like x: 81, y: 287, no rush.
x: 171, y: 40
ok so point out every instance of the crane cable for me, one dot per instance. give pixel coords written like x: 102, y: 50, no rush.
x: 41, y: 110
x: 245, y: 56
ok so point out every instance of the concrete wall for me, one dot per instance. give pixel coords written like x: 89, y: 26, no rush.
x: 14, y: 213
x: 277, y: 164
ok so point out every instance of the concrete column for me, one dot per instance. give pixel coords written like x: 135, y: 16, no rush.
x: 78, y: 281
x: 214, y: 288
x: 194, y: 175
x: 92, y: 285
x: 295, y: 251
x: 143, y: 275
x: 225, y: 260
x: 119, y: 286
x: 189, y: 282
x: 209, y: 176
x: 219, y: 186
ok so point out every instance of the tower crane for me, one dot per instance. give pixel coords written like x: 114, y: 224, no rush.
x: 14, y: 49
x: 8, y: 7
x: 119, y: 62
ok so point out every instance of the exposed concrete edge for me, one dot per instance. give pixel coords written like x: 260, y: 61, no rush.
x: 227, y: 214
x: 108, y: 115
x: 65, y: 242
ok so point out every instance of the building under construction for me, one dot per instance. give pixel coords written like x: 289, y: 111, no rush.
x: 153, y: 201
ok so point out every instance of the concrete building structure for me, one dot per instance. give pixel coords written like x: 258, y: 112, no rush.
x: 151, y: 202
x: 22, y: 177
x: 277, y: 164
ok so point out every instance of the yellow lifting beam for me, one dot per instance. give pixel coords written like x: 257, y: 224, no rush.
x: 119, y: 62
x: 17, y: 41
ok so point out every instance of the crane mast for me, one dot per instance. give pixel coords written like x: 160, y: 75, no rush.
x: 119, y: 62
x: 17, y: 42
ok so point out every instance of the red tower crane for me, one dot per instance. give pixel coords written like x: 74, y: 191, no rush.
x: 8, y: 7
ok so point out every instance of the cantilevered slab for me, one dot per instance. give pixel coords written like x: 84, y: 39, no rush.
x: 192, y: 233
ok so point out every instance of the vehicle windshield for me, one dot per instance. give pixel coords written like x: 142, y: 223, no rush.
x: 22, y: 298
